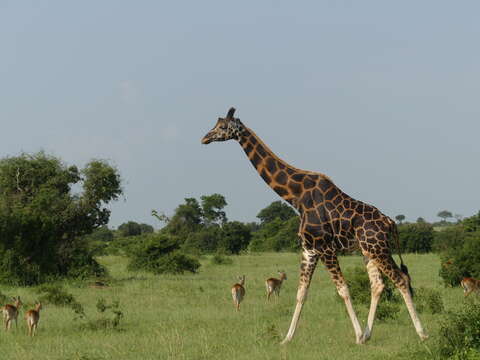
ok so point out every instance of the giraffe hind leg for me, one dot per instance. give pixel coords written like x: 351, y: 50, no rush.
x: 402, y: 282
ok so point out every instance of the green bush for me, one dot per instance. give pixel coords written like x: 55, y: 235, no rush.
x: 43, y: 222
x: 359, y: 286
x: 416, y: 238
x: 387, y: 311
x: 159, y: 253
x: 276, y: 235
x: 110, y: 316
x: 360, y: 292
x: 428, y: 300
x: 56, y: 295
x: 460, y: 333
x: 220, y: 259
x: 461, y: 262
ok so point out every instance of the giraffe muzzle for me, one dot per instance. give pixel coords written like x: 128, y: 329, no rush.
x: 206, y: 139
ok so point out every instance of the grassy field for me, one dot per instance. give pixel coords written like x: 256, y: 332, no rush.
x: 192, y: 317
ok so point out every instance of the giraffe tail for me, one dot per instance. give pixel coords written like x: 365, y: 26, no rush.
x: 403, y: 267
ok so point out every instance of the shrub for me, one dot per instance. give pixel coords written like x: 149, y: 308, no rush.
x: 417, y: 238
x: 387, y: 311
x: 219, y: 259
x: 359, y: 286
x: 110, y: 316
x: 460, y: 332
x: 159, y: 253
x: 56, y: 295
x: 461, y: 262
x: 276, y: 235
x: 43, y: 222
x: 449, y: 238
x: 429, y: 300
x: 360, y: 292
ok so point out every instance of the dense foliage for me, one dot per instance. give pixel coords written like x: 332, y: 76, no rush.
x: 42, y: 220
x: 460, y: 333
x: 417, y: 238
x: 459, y: 247
x: 159, y: 254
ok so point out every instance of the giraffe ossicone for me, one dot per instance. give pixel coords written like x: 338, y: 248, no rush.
x: 330, y: 221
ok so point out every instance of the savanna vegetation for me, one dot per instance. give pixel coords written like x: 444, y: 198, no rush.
x: 138, y: 314
x: 137, y: 291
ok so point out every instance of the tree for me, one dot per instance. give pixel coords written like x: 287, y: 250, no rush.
x: 187, y: 219
x: 130, y: 228
x: 212, y: 206
x: 444, y: 214
x: 400, y: 218
x: 472, y: 223
x: 421, y: 220
x: 416, y: 238
x: 42, y: 222
x: 235, y: 237
x: 160, y: 253
x: 276, y: 209
x: 133, y: 228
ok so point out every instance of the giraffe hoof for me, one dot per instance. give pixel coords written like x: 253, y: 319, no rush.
x: 423, y: 337
x: 363, y: 339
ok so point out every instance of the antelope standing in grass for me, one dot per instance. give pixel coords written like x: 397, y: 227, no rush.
x: 238, y: 292
x: 470, y: 284
x: 32, y: 317
x: 10, y: 312
x: 274, y: 285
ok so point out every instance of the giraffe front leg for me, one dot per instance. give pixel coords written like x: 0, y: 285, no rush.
x: 331, y: 263
x: 307, y: 267
x: 377, y: 286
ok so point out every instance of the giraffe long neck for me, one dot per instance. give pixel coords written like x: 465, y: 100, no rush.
x: 287, y: 181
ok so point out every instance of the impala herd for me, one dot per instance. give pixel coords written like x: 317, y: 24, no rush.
x: 274, y: 285
x: 10, y: 313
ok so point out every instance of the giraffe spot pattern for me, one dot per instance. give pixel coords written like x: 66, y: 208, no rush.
x: 332, y: 220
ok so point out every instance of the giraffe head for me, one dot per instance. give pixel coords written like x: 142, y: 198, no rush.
x: 227, y: 128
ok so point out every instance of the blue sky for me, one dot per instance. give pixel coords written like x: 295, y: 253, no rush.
x: 380, y: 96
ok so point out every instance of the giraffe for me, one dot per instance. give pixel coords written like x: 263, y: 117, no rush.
x: 330, y: 221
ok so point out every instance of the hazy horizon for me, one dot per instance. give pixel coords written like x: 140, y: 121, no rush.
x: 381, y: 97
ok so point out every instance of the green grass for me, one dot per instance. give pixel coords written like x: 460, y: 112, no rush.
x: 192, y: 316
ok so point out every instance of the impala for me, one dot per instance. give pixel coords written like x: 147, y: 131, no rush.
x: 274, y: 285
x: 470, y: 284
x: 32, y: 317
x: 10, y: 312
x: 238, y: 292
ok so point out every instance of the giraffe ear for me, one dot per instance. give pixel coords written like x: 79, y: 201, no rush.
x: 230, y: 113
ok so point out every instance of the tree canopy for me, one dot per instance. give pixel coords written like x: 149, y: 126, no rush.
x: 42, y: 219
x: 277, y: 209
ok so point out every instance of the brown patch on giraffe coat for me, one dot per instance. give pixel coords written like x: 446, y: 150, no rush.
x: 281, y: 178
x: 280, y: 191
x: 261, y: 150
x: 308, y: 183
x: 265, y: 176
x: 271, y: 165
x: 255, y: 160
x: 295, y: 188
x: 307, y: 200
x: 330, y: 194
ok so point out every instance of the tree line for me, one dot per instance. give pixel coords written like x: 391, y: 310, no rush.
x: 54, y: 222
